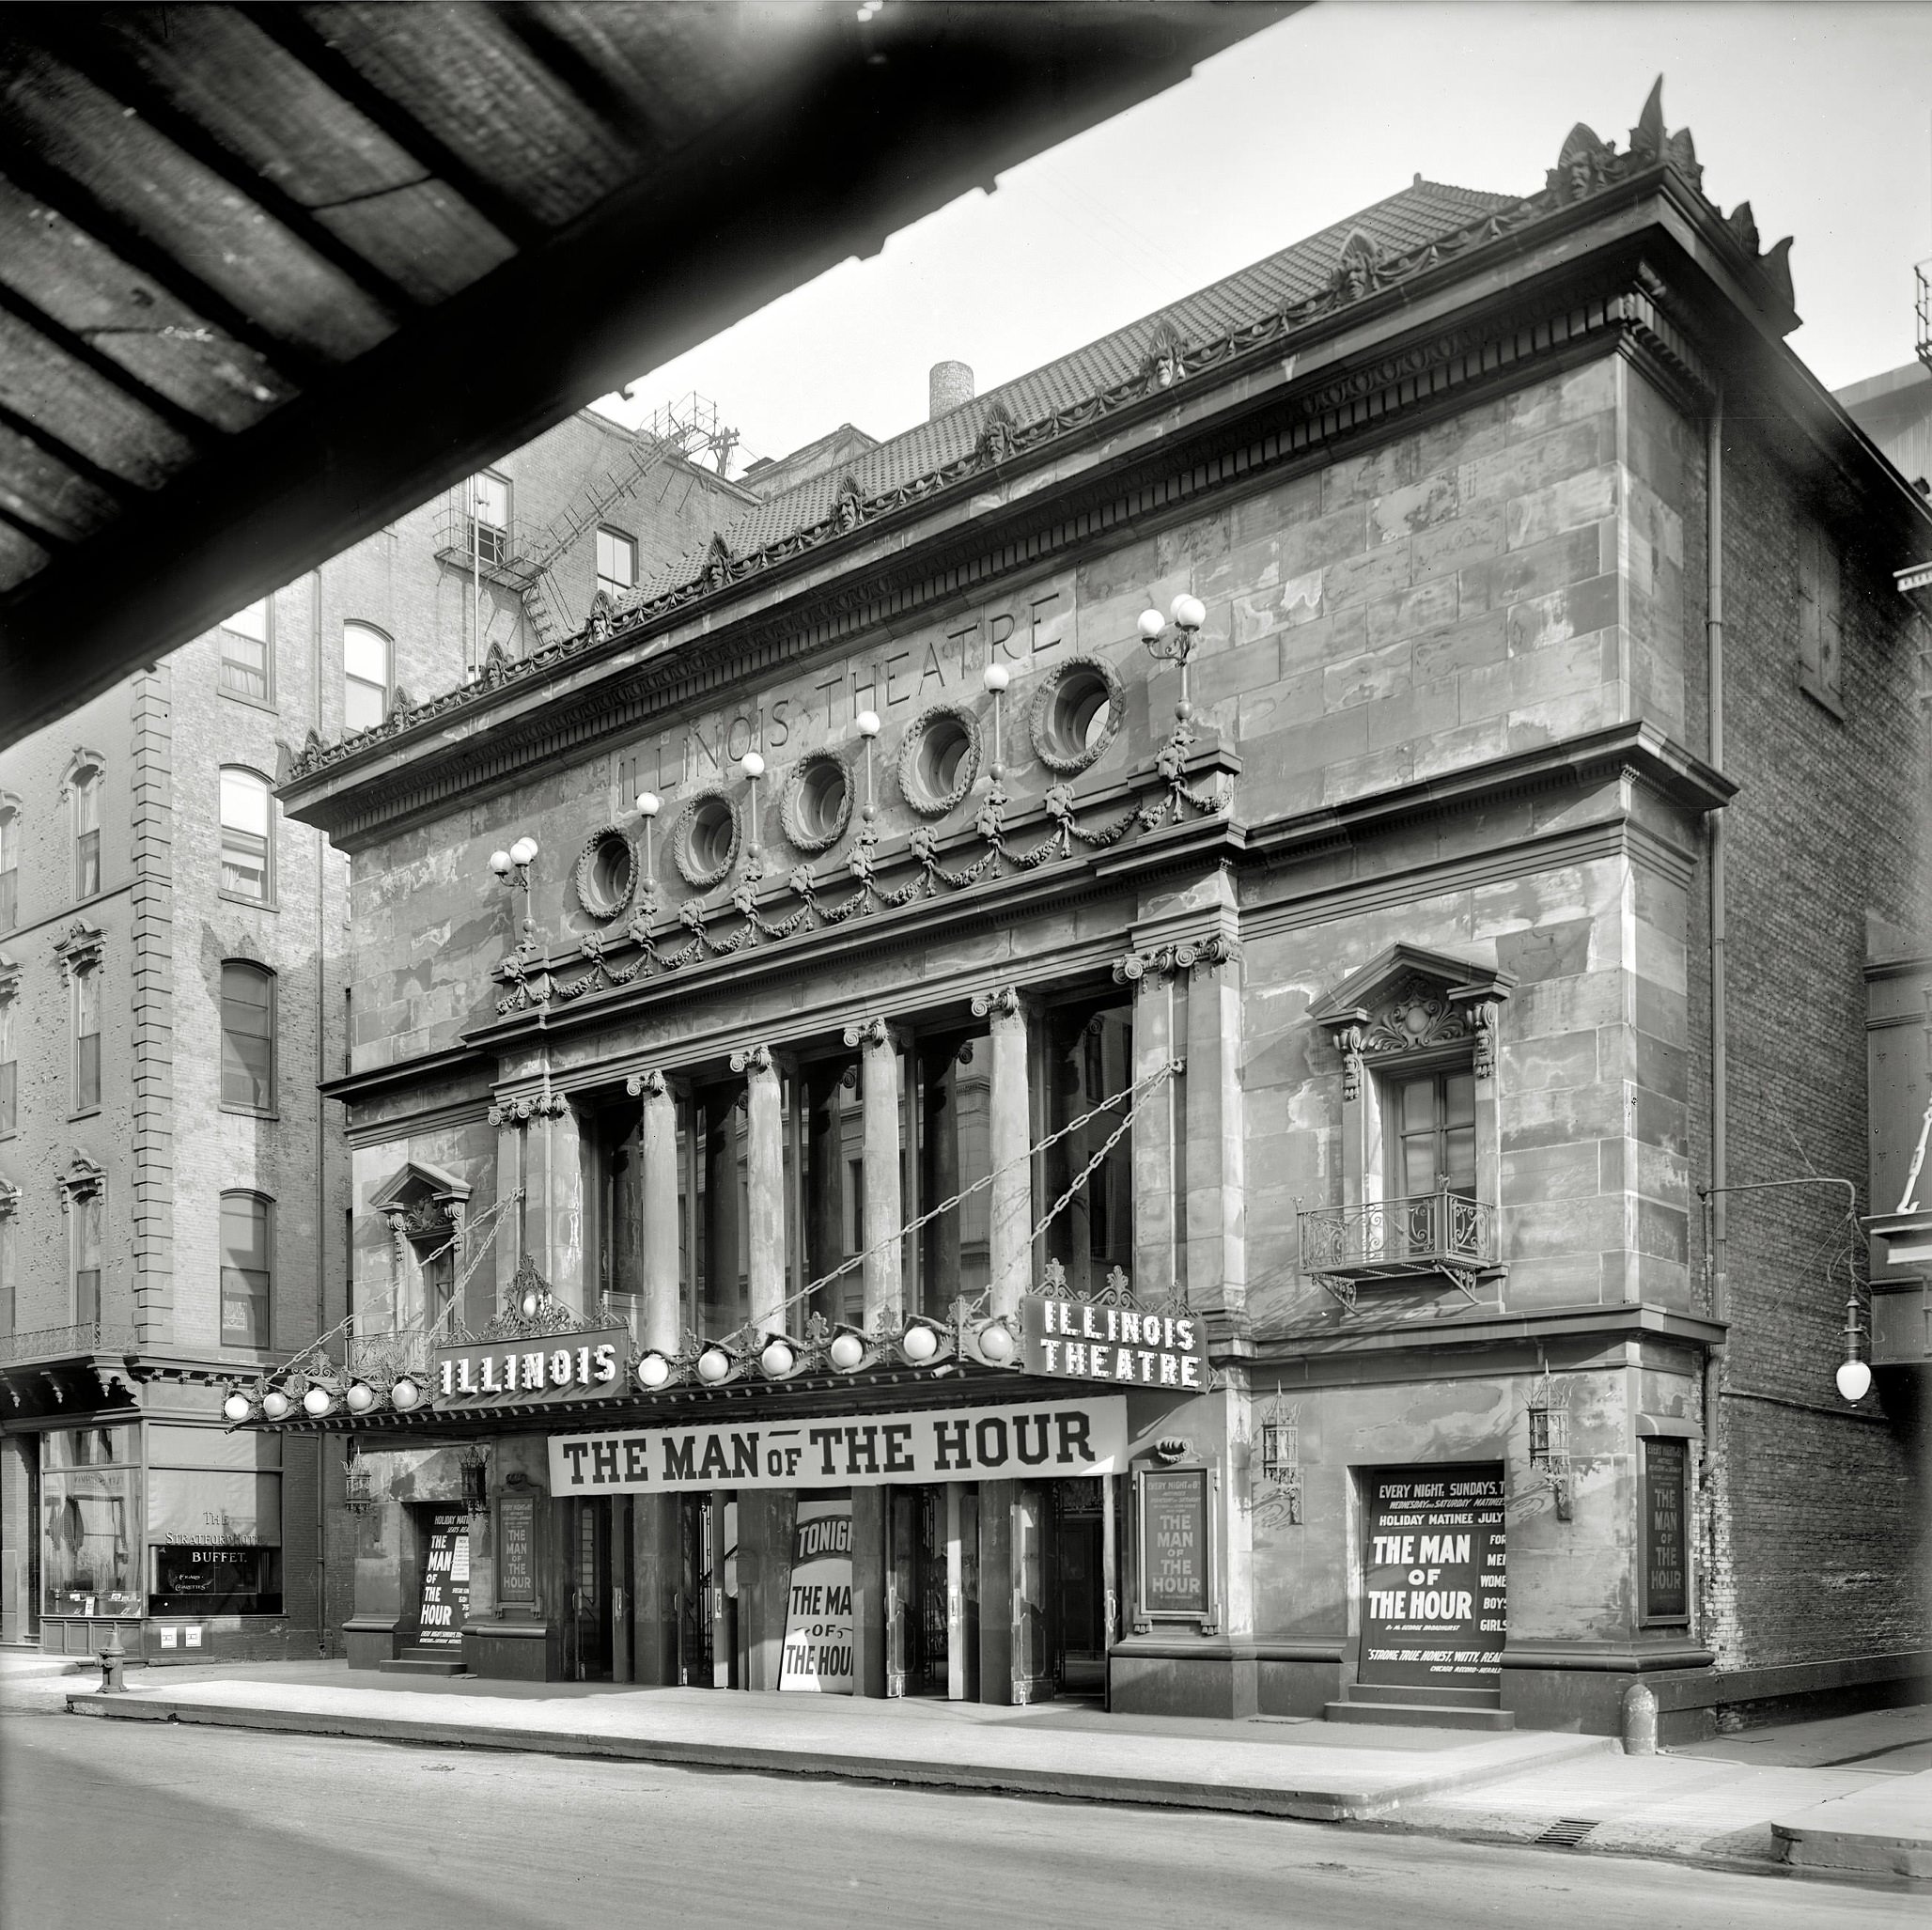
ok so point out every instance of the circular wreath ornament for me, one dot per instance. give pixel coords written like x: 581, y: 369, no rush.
x: 705, y: 844
x: 939, y: 759
x: 1077, y: 711
x: 606, y: 872
x: 814, y: 804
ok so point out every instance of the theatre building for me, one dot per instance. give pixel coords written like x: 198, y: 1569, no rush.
x: 1076, y: 1060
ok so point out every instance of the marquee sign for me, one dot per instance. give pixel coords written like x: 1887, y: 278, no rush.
x: 1031, y: 1442
x: 533, y: 1371
x: 1088, y: 1340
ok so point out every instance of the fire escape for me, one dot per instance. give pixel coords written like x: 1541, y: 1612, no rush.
x: 523, y: 559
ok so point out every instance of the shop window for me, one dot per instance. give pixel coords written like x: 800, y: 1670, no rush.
x: 10, y: 1059
x: 213, y: 1522
x: 248, y: 1037
x: 90, y: 1521
x: 86, y: 995
x: 85, y: 784
x: 616, y: 563
x: 247, y: 663
x: 1820, y: 638
x: 1089, y: 1052
x: 368, y: 675
x: 247, y: 1233
x: 10, y: 862
x: 247, y: 854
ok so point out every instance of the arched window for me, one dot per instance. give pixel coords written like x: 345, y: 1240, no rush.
x: 87, y: 792
x: 367, y: 673
x: 247, y: 869
x: 247, y: 1230
x: 248, y: 1036
x: 9, y: 860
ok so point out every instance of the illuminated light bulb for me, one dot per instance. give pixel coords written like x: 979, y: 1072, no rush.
x: 996, y: 676
x: 919, y: 1343
x: 500, y: 863
x: 752, y: 764
x: 713, y: 1365
x: 866, y: 724
x: 274, y: 1404
x: 1854, y: 1379
x: 236, y: 1407
x: 1189, y: 613
x: 316, y: 1402
x: 649, y: 804
x: 1153, y: 626
x: 997, y: 1342
x: 361, y: 1398
x: 524, y: 851
x: 776, y: 1361
x: 404, y: 1394
x: 847, y: 1350
x: 653, y: 1371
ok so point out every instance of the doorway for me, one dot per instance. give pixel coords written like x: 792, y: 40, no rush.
x: 706, y: 1588
x: 919, y: 1619
x: 590, y: 1609
x: 1077, y: 1598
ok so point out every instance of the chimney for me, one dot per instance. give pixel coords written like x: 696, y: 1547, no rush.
x: 949, y: 384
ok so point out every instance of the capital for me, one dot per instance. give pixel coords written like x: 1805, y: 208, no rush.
x: 999, y: 1001
x: 754, y: 1058
x: 649, y: 1084
x: 867, y: 1032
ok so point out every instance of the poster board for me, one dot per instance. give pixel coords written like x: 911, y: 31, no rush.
x: 1175, y: 1547
x: 1665, y: 1551
x: 1434, y: 1602
x: 516, y: 1551
x: 818, y: 1652
x: 445, y: 1604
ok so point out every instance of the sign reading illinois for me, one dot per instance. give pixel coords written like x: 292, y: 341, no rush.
x: 1075, y: 1340
x: 547, y: 1367
x: 1029, y: 1443
x: 1435, y: 1590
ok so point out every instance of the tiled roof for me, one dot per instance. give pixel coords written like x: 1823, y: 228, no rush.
x: 1417, y: 214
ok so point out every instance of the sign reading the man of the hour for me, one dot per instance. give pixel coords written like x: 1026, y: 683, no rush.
x: 445, y: 1604
x: 1174, y: 1542
x: 1435, y: 1586
x: 548, y: 1367
x: 1075, y: 1340
x: 818, y: 1652
x: 1028, y: 1443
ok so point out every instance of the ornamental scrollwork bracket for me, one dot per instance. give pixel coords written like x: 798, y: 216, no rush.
x: 528, y: 1106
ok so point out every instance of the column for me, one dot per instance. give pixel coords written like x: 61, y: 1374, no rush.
x: 765, y: 1187
x: 1159, y: 1017
x: 560, y: 1248
x: 879, y: 1085
x: 996, y: 1585
x: 509, y: 1244
x: 663, y: 1322
x: 1217, y: 1192
x: 868, y: 1590
x: 657, y: 1565
x: 1010, y: 1257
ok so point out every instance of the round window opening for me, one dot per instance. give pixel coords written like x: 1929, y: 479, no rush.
x: 710, y: 841
x: 606, y: 872
x: 817, y: 802
x: 1077, y: 714
x: 939, y: 761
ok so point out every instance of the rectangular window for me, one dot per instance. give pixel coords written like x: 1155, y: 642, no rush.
x: 616, y: 562
x: 213, y: 1522
x: 84, y: 1211
x: 244, y: 807
x: 9, y: 1071
x: 245, y: 663
x: 88, y: 835
x: 9, y: 867
x: 1088, y: 1052
x: 245, y: 1270
x: 489, y: 532
x: 87, y: 997
x: 1429, y: 1125
x: 1821, y: 642
x: 7, y: 1285
x: 248, y: 1037
x: 365, y: 669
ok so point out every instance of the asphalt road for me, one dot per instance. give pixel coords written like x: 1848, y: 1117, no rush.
x: 161, y: 1827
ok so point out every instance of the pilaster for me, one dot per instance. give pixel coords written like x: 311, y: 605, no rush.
x: 1010, y: 1107
x: 153, y: 933
x: 882, y: 1269
x: 664, y: 1285
x: 765, y: 1177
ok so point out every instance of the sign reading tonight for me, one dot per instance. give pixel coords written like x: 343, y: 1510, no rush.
x: 1035, y: 1441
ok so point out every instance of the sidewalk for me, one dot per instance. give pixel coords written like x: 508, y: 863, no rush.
x: 1718, y: 1803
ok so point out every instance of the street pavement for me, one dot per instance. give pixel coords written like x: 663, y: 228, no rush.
x: 179, y: 1825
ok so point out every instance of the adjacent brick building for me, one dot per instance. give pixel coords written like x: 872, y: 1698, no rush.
x: 173, y: 1190
x: 1300, y: 1085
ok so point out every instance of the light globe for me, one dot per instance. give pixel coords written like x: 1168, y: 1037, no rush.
x: 997, y: 1342
x: 713, y: 1365
x: 919, y: 1343
x: 316, y: 1402
x: 360, y: 1397
x: 274, y: 1404
x: 847, y: 1350
x: 1854, y: 1379
x: 1189, y: 613
x: 404, y: 1394
x: 776, y: 1361
x: 236, y: 1407
x: 653, y: 1371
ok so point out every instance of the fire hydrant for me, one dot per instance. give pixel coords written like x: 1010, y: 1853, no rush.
x: 113, y: 1659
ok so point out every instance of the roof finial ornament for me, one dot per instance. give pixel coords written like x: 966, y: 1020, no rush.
x: 1582, y: 165
x: 995, y: 443
x: 1358, y: 269
x: 847, y: 506
x: 1646, y: 137
x: 1166, y: 359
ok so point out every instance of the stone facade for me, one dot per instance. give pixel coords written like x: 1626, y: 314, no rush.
x: 167, y: 1147
x: 1401, y: 911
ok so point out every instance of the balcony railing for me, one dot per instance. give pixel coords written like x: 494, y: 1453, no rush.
x: 384, y: 1356
x: 64, y: 1343
x: 1439, y: 1233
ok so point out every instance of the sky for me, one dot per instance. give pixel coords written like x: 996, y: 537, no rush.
x: 1820, y: 114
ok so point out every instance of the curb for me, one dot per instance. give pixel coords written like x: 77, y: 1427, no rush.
x: 1252, y: 1799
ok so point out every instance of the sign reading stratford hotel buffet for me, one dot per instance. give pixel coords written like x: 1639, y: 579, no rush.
x: 1037, y: 1441
x: 1077, y: 1340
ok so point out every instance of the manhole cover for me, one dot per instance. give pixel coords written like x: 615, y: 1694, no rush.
x: 1568, y: 1832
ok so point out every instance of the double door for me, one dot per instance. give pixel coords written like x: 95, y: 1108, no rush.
x: 597, y: 1612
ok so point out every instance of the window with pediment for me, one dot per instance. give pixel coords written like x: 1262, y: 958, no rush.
x: 423, y: 1207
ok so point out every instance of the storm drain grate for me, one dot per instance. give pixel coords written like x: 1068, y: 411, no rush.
x: 1568, y: 1832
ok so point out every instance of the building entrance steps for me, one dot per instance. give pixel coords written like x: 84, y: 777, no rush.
x: 1715, y: 1804
x: 421, y: 1661
x: 1420, y: 1715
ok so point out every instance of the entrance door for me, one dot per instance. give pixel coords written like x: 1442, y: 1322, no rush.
x: 587, y: 1611
x: 918, y: 1629
x: 1078, y: 1599
x: 696, y: 1586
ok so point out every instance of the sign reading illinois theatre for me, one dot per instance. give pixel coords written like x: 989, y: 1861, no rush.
x: 1036, y: 1441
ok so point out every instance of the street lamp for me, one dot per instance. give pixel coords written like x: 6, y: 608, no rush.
x: 996, y: 676
x: 1854, y: 1375
x: 866, y: 724
x: 1188, y: 613
x: 649, y: 805
x: 753, y: 765
x: 512, y: 869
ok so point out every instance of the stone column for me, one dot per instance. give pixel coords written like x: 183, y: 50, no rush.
x: 1217, y: 1187
x: 662, y: 1324
x: 765, y: 1177
x: 1010, y: 1104
x: 996, y: 1585
x: 882, y: 1272
x: 552, y: 1168
x: 657, y: 1564
x: 1159, y: 1020
x: 868, y: 1590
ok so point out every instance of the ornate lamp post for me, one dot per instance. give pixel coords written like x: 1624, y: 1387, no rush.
x: 1188, y: 613
x: 512, y: 869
